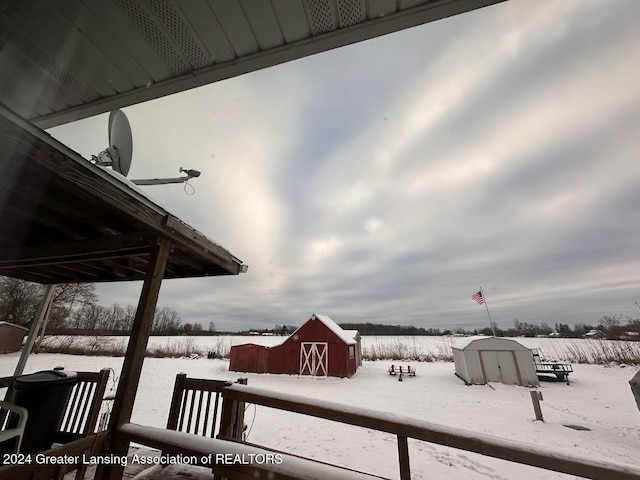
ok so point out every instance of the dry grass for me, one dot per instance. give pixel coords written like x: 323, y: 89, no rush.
x: 384, y: 348
x: 603, y: 352
x: 108, y: 347
x: 408, y: 350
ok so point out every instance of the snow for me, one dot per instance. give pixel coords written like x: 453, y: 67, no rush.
x: 598, y: 399
x: 334, y: 327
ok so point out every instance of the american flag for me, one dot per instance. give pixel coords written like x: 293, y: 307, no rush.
x: 478, y: 297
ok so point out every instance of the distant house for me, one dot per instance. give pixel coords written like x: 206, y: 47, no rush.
x: 594, y: 334
x: 635, y: 336
x: 319, y: 348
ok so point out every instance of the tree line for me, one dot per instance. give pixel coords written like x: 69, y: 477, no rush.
x: 612, y: 327
x: 75, y: 310
x: 380, y: 329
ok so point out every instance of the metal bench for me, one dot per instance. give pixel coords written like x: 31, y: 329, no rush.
x: 560, y: 370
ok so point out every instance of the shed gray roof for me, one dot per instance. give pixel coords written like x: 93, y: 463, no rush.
x: 489, y: 343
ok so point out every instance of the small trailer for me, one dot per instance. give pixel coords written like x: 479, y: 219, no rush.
x: 560, y: 370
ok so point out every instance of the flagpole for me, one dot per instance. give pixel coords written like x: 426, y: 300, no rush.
x: 486, y: 305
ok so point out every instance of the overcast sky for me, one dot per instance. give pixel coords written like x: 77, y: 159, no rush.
x: 388, y: 181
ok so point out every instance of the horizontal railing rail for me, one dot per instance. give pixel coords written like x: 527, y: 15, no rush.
x: 405, y: 427
x: 231, y: 460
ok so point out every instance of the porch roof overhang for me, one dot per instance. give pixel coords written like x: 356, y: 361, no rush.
x: 65, y: 220
x: 63, y: 61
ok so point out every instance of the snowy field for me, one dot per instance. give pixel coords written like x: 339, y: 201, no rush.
x: 598, y: 399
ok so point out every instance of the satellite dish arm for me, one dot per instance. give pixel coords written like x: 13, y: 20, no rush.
x: 160, y: 181
x: 163, y: 181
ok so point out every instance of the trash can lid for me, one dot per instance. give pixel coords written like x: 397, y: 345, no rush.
x: 47, y: 377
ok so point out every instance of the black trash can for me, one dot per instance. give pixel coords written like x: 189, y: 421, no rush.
x: 44, y: 395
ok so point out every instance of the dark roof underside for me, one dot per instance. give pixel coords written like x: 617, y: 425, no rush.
x: 66, y: 60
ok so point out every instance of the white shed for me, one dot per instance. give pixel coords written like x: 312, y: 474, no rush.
x: 493, y: 359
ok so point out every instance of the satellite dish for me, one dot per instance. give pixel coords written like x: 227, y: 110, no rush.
x: 120, y: 140
x: 119, y: 153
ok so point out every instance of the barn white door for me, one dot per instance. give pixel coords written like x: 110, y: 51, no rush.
x: 314, y: 358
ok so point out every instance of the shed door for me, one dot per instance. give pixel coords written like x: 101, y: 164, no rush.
x: 314, y: 358
x: 491, y: 366
x: 508, y: 368
x: 499, y: 367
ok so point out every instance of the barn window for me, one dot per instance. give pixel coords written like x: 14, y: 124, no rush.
x: 352, y: 351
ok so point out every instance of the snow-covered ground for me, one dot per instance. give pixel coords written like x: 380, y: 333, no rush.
x: 598, y: 399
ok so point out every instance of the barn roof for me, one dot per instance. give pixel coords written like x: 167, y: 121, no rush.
x: 63, y: 61
x: 333, y: 326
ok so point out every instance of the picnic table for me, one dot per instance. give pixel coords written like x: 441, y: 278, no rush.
x: 400, y: 370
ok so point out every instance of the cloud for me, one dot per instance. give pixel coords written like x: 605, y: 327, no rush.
x: 386, y: 181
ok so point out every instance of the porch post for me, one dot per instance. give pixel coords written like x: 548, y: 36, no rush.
x: 134, y: 358
x: 43, y: 311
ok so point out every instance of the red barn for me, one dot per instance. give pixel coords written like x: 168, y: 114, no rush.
x: 319, y: 347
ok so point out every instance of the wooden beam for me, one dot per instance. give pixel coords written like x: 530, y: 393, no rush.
x: 201, y: 245
x: 134, y: 358
x: 115, y: 246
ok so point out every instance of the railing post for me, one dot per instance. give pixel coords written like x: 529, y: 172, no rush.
x: 176, y: 402
x: 403, y: 456
x: 239, y: 430
x: 536, y: 396
x: 232, y: 418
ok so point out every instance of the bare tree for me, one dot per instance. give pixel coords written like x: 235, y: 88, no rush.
x: 67, y: 298
x: 166, y: 321
x: 19, y: 300
x: 611, y: 325
x: 90, y: 317
x: 128, y: 318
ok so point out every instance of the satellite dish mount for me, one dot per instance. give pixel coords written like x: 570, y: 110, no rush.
x: 119, y: 153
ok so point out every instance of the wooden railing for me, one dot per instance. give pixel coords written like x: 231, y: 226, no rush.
x: 405, y: 428
x: 296, y: 467
x: 77, y: 456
